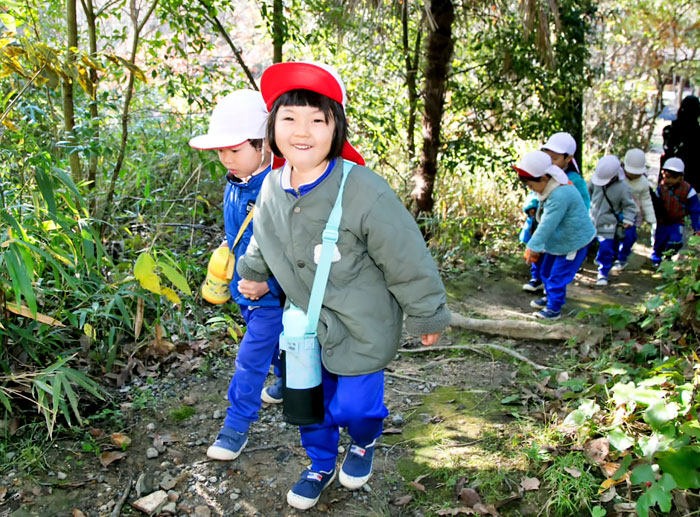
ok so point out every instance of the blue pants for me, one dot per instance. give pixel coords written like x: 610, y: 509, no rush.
x: 667, y: 238
x: 625, y: 247
x: 558, y: 272
x: 355, y: 402
x: 259, y: 348
x: 535, y: 273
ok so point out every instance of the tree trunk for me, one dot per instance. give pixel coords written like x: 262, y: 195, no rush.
x: 67, y: 88
x: 439, y: 48
x: 411, y: 61
x: 89, y: 10
x: 138, y: 27
x: 277, y: 30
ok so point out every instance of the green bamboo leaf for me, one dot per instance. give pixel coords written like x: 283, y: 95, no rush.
x: 56, y: 392
x: 73, y: 402
x: 21, y: 280
x: 4, y: 399
x: 145, y: 266
x: 84, y: 382
x: 68, y: 182
x: 175, y: 277
x: 46, y: 188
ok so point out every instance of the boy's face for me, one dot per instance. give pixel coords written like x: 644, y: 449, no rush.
x: 242, y: 160
x: 560, y: 160
x: 672, y: 178
x: 631, y: 176
x: 303, y: 136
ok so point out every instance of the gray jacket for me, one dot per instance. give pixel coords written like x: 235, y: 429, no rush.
x: 384, y: 271
x: 620, y: 196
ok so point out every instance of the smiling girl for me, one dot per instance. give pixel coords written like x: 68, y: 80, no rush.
x: 381, y: 267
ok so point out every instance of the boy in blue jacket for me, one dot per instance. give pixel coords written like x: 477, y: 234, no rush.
x: 678, y: 199
x: 535, y: 284
x: 237, y: 132
x: 564, y: 231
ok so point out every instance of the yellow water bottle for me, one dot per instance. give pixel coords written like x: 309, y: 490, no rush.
x: 219, y: 274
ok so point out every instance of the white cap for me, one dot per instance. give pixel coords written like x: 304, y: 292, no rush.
x: 561, y: 143
x: 635, y: 161
x: 675, y: 165
x: 538, y: 163
x: 607, y: 168
x: 238, y: 117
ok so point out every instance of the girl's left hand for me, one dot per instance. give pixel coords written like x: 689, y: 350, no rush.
x: 430, y: 339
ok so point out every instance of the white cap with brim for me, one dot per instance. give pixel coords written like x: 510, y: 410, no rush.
x: 635, y: 162
x: 607, y: 168
x: 674, y: 165
x: 536, y: 164
x: 562, y: 143
x: 238, y: 117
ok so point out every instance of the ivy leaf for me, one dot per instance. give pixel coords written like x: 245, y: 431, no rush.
x: 642, y: 474
x: 691, y: 428
x: 660, y: 413
x: 620, y: 440
x: 683, y: 465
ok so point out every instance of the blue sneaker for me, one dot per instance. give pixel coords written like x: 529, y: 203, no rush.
x: 546, y: 314
x: 228, y: 445
x: 533, y: 286
x: 357, y: 467
x: 539, y: 304
x: 273, y: 394
x: 306, y: 493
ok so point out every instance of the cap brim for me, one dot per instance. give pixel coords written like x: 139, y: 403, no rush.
x: 351, y: 154
x: 283, y: 77
x: 554, y: 149
x: 636, y: 170
x: 209, y: 142
x: 522, y: 173
x: 598, y: 181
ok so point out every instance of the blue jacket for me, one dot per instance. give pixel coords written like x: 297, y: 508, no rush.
x: 564, y: 224
x: 239, y: 199
x: 530, y: 223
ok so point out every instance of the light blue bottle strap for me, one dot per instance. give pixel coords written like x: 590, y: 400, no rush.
x: 330, y: 237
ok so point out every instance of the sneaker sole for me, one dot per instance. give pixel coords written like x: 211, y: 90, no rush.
x: 530, y: 289
x: 537, y: 305
x: 304, y: 503
x: 539, y: 316
x: 352, y: 482
x: 221, y: 454
x: 265, y: 397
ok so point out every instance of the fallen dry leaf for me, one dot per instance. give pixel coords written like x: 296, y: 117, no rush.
x: 77, y: 513
x: 97, y: 433
x: 417, y: 486
x: 109, y: 457
x: 120, y: 440
x: 486, y: 509
x: 403, y: 500
x: 456, y: 511
x: 3, y: 493
x: 608, y: 468
x: 530, y: 484
x: 138, y: 318
x: 392, y: 430
x: 575, y: 473
x: 469, y: 496
x: 610, y: 482
x: 189, y: 400
x: 562, y: 377
x: 597, y: 450
x: 608, y: 496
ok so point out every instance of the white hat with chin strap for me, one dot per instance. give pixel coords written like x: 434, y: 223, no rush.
x: 607, y: 168
x: 635, y: 161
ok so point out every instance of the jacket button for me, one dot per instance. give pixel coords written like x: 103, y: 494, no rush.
x: 297, y: 209
x: 329, y: 353
x: 300, y: 263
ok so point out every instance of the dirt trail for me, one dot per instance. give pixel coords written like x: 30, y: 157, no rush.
x: 446, y: 427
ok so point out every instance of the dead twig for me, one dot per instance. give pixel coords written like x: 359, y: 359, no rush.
x: 117, y: 510
x: 500, y: 348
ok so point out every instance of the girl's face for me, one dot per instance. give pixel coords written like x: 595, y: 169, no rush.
x: 304, y: 137
x: 241, y: 161
x: 537, y: 186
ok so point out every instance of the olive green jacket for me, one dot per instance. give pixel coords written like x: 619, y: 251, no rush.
x: 384, y: 270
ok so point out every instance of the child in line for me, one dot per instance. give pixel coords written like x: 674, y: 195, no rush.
x: 237, y: 131
x: 679, y: 199
x: 561, y: 148
x: 635, y: 167
x: 611, y: 204
x: 535, y: 284
x: 382, y: 268
x: 564, y: 231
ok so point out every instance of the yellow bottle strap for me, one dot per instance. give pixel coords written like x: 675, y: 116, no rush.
x: 231, y: 261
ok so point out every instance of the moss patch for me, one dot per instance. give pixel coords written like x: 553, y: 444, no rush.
x: 182, y: 413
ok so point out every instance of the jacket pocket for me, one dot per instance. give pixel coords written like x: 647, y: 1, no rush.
x: 331, y: 332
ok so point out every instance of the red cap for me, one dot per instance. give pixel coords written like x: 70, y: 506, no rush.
x: 320, y: 78
x: 523, y: 173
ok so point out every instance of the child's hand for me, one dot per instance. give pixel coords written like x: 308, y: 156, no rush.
x: 531, y: 256
x: 252, y: 290
x: 430, y: 339
x: 531, y: 212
